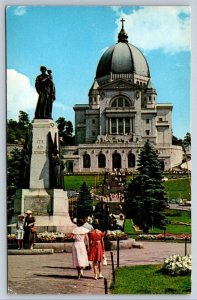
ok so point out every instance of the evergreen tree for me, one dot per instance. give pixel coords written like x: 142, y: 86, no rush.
x: 145, y: 196
x: 13, y: 179
x: 101, y: 213
x: 85, y: 201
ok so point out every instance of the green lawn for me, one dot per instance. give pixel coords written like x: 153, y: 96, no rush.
x: 178, y: 188
x: 172, y: 215
x: 73, y: 182
x: 147, y: 279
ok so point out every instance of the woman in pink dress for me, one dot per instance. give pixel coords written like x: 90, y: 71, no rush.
x: 79, y: 252
x: 96, y: 251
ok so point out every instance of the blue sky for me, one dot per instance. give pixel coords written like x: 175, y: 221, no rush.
x: 70, y: 41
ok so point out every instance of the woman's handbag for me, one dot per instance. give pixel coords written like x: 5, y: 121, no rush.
x: 104, y: 261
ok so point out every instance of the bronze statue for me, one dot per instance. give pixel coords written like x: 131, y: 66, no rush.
x: 46, y: 91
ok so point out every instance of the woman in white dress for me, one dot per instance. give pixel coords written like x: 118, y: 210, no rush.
x: 79, y: 252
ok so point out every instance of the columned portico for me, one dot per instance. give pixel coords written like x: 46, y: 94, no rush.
x: 120, y: 125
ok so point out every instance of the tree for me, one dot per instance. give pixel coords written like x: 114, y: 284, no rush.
x: 101, y: 213
x: 145, y: 196
x: 176, y: 141
x: 187, y: 140
x: 23, y: 118
x: 13, y: 179
x: 65, y: 131
x: 17, y: 131
x: 85, y: 201
x: 61, y: 123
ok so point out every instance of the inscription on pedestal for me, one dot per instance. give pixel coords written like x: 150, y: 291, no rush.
x: 38, y: 205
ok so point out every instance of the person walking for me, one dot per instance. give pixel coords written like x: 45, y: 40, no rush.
x: 96, y: 252
x: 79, y: 252
x: 88, y: 226
x: 29, y: 228
x: 20, y: 231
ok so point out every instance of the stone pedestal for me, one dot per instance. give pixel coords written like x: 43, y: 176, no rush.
x: 39, y: 174
x: 49, y: 206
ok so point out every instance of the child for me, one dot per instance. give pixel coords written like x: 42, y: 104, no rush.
x: 20, y: 231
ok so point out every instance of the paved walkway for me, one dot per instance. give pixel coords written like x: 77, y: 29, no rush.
x: 54, y: 274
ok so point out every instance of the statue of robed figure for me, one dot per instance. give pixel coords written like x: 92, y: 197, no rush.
x: 46, y: 91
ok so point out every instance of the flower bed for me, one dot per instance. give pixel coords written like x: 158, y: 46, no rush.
x: 51, y: 237
x: 55, y: 237
x: 113, y: 235
x: 177, y: 265
x: 47, y: 237
x: 162, y: 236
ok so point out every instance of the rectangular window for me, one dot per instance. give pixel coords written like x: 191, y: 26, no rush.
x: 93, y: 121
x: 113, y: 125
x: 147, y: 121
x: 120, y: 125
x: 147, y: 132
x: 127, y: 125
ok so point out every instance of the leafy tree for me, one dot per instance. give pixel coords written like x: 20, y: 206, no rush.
x: 145, y: 196
x: 187, y: 140
x: 61, y: 124
x: 85, y: 201
x: 176, y: 141
x: 65, y: 131
x: 23, y: 118
x: 17, y: 131
x: 13, y: 179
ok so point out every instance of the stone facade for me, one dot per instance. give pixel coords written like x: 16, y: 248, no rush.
x: 121, y: 115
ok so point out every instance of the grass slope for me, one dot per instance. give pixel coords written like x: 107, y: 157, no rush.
x: 172, y: 215
x: 147, y: 279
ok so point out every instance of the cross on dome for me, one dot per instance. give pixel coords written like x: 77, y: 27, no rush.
x: 122, y: 23
x: 122, y: 36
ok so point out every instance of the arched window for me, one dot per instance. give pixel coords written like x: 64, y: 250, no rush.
x: 121, y: 101
x: 131, y: 160
x: 86, y: 161
x: 116, y: 160
x: 101, y: 160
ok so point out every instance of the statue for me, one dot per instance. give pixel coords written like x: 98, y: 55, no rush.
x: 46, y: 91
x: 56, y: 164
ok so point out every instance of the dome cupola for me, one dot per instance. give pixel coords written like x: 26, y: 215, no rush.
x: 122, y: 58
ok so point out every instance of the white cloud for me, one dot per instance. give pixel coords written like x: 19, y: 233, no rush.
x: 158, y: 27
x: 20, y: 11
x: 60, y: 106
x: 21, y: 95
x: 116, y: 9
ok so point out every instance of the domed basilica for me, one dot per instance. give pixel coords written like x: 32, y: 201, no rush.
x: 121, y: 115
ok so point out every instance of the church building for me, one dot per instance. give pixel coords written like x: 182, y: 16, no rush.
x: 121, y: 115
